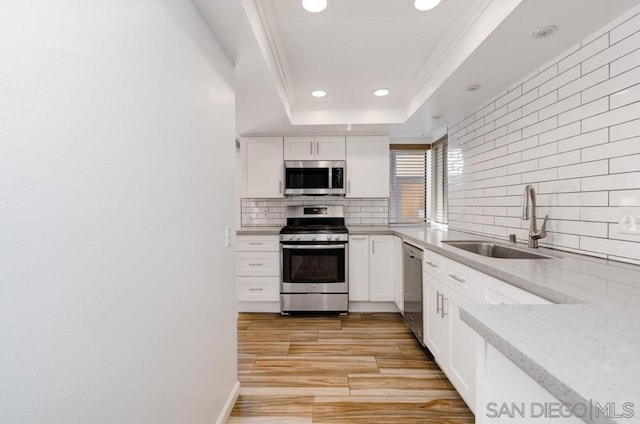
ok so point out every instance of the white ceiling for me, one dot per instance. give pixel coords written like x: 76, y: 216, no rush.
x: 426, y: 59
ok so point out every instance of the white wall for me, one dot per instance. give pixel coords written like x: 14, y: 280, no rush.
x: 571, y: 131
x: 116, y: 151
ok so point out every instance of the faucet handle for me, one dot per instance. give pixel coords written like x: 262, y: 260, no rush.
x: 543, y: 230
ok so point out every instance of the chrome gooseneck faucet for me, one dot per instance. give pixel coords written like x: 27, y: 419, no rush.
x: 534, y: 234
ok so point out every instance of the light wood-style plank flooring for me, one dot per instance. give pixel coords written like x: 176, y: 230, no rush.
x: 360, y: 368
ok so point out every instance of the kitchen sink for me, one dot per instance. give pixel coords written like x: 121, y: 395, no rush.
x: 495, y: 250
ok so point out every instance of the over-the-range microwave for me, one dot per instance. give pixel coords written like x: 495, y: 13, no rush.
x: 314, y: 177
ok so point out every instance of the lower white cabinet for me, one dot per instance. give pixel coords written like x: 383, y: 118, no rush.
x: 398, y: 274
x: 436, y: 323
x: 508, y: 395
x: 371, y: 268
x: 258, y: 269
x: 462, y: 349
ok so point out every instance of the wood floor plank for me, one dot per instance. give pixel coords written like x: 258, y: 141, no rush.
x: 400, y: 385
x: 255, y: 316
x: 293, y: 381
x: 243, y: 324
x: 263, y: 348
x: 278, y: 335
x: 273, y: 406
x: 377, y: 348
x: 365, y: 334
x: 269, y: 420
x: 297, y: 324
x: 245, y: 363
x: 303, y: 365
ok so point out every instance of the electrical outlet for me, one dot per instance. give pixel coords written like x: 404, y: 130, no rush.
x: 629, y: 219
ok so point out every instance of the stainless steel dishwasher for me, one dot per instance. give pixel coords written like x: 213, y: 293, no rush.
x: 412, y: 261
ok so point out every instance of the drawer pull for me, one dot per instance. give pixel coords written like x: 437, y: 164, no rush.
x: 255, y: 243
x: 254, y: 289
x: 458, y: 279
x: 431, y: 264
x: 256, y: 264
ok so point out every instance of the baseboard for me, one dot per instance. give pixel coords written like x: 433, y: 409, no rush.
x: 228, y: 405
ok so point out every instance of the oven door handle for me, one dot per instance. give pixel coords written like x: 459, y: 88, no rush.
x: 314, y: 246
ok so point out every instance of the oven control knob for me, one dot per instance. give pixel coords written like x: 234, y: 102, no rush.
x: 290, y: 237
x: 314, y: 238
x: 298, y: 238
x: 332, y: 238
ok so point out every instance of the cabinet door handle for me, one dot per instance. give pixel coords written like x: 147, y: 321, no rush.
x: 255, y: 243
x: 373, y: 247
x: 254, y: 289
x: 456, y: 278
x: 280, y: 187
x: 443, y: 313
x: 431, y: 264
x: 317, y: 147
x: 256, y: 264
x: 349, y: 187
x: 437, y: 303
x: 311, y: 147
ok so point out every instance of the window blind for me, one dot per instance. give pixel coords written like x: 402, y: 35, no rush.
x: 439, y: 150
x: 410, y: 172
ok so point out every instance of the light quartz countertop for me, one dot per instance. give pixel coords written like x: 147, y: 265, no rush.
x: 585, y: 347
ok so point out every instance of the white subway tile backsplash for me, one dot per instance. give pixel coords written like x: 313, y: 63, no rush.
x: 584, y: 140
x: 541, y: 78
x: 584, y: 169
x: 585, y: 52
x: 612, y: 53
x: 628, y: 163
x: 272, y: 212
x: 625, y: 29
x: 626, y: 96
x: 626, y: 62
x: 605, y: 182
x: 560, y: 133
x: 613, y: 117
x: 571, y: 129
x: 629, y: 146
x: 584, y: 111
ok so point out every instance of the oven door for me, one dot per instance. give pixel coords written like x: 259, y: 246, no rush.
x: 314, y: 268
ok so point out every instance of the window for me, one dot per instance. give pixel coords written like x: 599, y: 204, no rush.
x: 410, y: 196
x: 439, y: 189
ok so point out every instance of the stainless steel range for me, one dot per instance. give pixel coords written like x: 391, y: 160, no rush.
x: 314, y: 260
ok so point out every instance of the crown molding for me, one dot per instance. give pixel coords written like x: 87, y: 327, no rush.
x: 262, y: 19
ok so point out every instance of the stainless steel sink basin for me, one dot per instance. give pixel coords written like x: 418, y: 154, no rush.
x: 495, y: 250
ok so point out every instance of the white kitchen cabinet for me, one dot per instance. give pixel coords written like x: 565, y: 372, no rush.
x: 398, y: 274
x: 462, y: 349
x: 314, y: 148
x: 502, y: 387
x: 367, y: 166
x: 359, y: 268
x: 381, y: 270
x: 263, y: 167
x: 257, y: 269
x: 436, y: 322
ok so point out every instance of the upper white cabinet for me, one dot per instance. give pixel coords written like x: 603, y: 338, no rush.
x: 314, y: 148
x: 367, y: 166
x: 262, y: 167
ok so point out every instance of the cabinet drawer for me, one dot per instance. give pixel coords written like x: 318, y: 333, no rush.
x: 463, y: 280
x: 258, y: 264
x: 257, y: 289
x: 433, y: 264
x: 258, y: 244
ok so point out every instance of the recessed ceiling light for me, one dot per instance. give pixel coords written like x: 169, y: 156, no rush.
x: 473, y: 87
x: 314, y: 6
x: 423, y: 5
x: 318, y: 93
x: 544, y: 32
x: 381, y: 92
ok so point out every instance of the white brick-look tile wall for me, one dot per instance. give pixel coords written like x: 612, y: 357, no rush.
x: 270, y: 212
x: 572, y: 130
